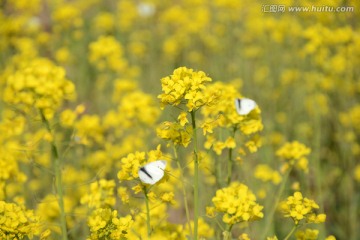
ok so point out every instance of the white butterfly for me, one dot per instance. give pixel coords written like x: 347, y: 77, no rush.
x: 152, y: 172
x: 244, y: 105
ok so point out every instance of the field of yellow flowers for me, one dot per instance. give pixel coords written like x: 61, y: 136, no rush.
x: 95, y: 93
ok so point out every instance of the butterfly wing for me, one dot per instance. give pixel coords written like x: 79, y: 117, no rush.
x: 152, y: 172
x: 145, y: 176
x: 244, y: 105
x: 238, y: 105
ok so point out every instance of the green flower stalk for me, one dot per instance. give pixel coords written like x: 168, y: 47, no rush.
x: 58, y: 179
x: 186, y: 86
x: 291, y: 232
x: 230, y: 160
x: 184, y: 192
x: 147, y: 212
x: 196, y: 176
x: 41, y: 85
x: 270, y: 216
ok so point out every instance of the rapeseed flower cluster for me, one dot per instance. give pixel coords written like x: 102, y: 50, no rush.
x: 101, y: 194
x: 104, y: 22
x: 68, y: 117
x: 128, y: 129
x: 307, y: 234
x: 67, y: 17
x: 175, y: 133
x: 104, y: 223
x: 89, y: 130
x: 223, y: 115
x: 205, y: 231
x: 10, y: 171
x: 225, y: 110
x: 244, y: 236
x: 237, y: 204
x: 266, y: 174
x: 16, y: 222
x: 294, y: 154
x: 186, y: 86
x: 40, y: 84
x: 49, y: 211
x: 301, y: 209
x: 106, y: 53
x: 132, y: 162
x: 140, y: 109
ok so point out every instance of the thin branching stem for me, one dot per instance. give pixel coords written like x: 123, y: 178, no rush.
x: 230, y: 160
x: 147, y: 212
x: 291, y: 232
x: 196, y: 176
x: 271, y: 214
x: 184, y: 191
x: 58, y: 178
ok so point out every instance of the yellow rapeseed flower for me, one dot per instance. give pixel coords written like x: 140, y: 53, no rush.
x: 89, y: 130
x: 123, y: 194
x: 104, y: 22
x: 66, y: 16
x: 330, y: 237
x: 129, y: 166
x: 351, y: 118
x: 168, y: 197
x: 185, y: 86
x: 175, y: 133
x: 294, y: 153
x: 204, y: 231
x: 106, y: 53
x: 17, y: 222
x: 105, y: 223
x: 244, y: 236
x: 266, y: 174
x: 49, y: 211
x: 224, y: 112
x: 237, y: 203
x: 101, y: 194
x: 183, y: 118
x: 39, y: 84
x: 222, y: 115
x: 307, y: 234
x: 301, y: 209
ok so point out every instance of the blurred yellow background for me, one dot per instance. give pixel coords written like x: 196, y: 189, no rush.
x: 299, y: 63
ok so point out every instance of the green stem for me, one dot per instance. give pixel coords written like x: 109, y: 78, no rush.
x: 291, y: 232
x: 196, y: 177
x: 58, y: 179
x: 227, y: 233
x: 184, y: 191
x: 274, y: 206
x: 230, y: 161
x: 147, y: 212
x: 229, y: 227
x: 317, y: 156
